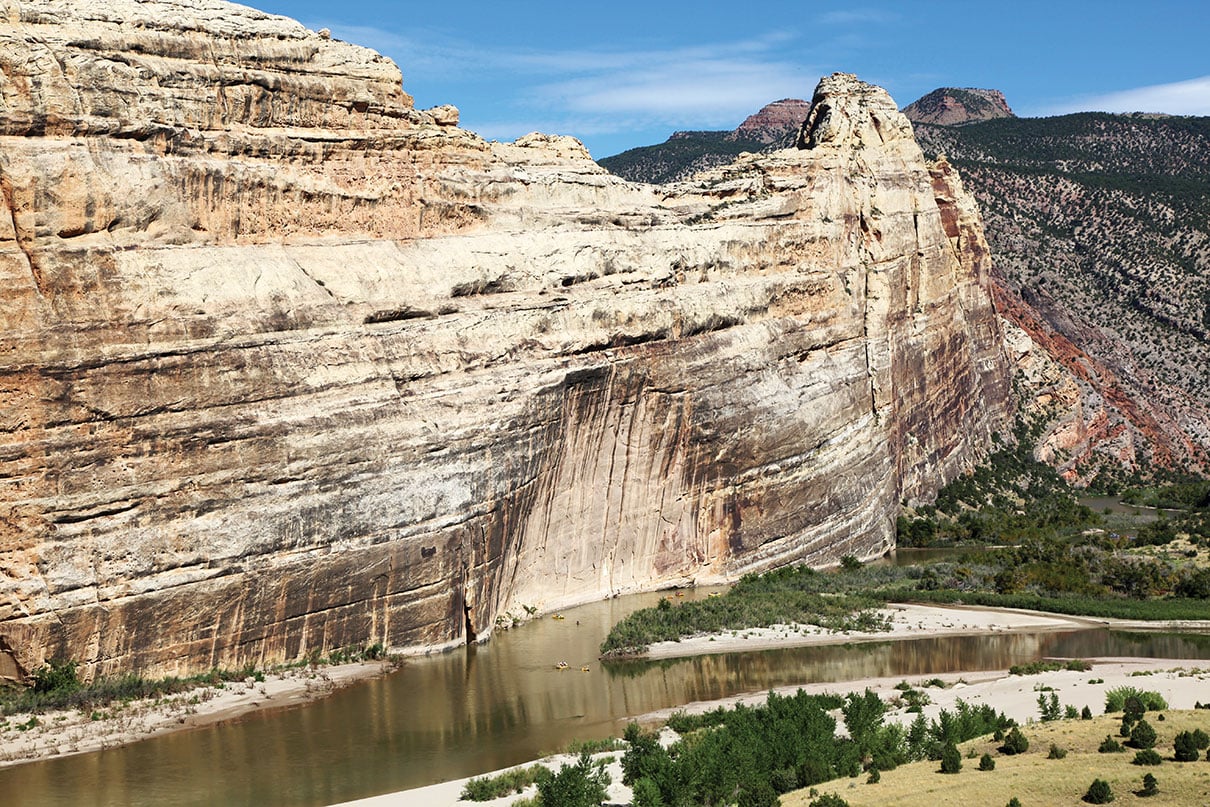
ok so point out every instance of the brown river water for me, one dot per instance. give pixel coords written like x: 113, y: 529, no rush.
x: 501, y: 703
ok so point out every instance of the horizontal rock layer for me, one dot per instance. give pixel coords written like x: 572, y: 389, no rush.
x: 288, y: 365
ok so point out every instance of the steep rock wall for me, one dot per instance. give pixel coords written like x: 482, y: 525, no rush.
x: 289, y: 365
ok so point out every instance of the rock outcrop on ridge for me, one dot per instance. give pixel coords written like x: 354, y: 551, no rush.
x: 289, y: 365
x: 774, y: 124
x: 686, y: 153
x: 953, y: 106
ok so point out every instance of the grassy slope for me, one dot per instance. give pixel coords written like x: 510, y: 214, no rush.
x: 1033, y: 778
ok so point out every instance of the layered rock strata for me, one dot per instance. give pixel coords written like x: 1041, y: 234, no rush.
x: 289, y: 365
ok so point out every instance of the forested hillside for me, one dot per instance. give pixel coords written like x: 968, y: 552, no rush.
x: 1100, y: 226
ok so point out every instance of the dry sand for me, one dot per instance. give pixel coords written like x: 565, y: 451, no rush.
x: 1182, y: 682
x: 74, y: 732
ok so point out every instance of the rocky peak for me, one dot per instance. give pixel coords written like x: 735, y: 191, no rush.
x: 777, y: 122
x: 950, y: 106
x: 845, y: 109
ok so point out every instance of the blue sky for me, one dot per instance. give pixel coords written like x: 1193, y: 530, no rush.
x: 627, y: 73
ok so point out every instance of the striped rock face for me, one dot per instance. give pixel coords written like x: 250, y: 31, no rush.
x: 288, y: 365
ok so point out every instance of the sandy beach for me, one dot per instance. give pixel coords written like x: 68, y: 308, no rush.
x: 71, y: 731
x: 1181, y: 682
x: 907, y: 622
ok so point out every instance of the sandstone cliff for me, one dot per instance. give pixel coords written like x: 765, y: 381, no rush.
x: 289, y: 365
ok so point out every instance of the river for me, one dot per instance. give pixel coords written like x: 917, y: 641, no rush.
x: 501, y: 703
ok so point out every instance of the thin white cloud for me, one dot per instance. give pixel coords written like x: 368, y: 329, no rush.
x: 1190, y: 97
x: 698, y: 91
x: 599, y: 90
x: 555, y: 72
x: 859, y: 16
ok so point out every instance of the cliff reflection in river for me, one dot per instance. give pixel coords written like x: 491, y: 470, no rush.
x: 503, y: 703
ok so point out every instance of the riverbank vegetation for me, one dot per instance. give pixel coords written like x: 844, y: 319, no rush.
x: 751, y: 755
x: 1050, y: 553
x: 784, y: 597
x: 57, y: 684
x: 579, y: 784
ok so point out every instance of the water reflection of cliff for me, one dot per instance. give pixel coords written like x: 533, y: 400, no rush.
x: 499, y: 704
x: 702, y: 676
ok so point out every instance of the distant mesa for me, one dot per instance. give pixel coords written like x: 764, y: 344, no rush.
x: 686, y: 153
x: 777, y: 122
x: 952, y: 106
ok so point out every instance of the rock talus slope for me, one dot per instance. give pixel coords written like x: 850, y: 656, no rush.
x: 289, y: 365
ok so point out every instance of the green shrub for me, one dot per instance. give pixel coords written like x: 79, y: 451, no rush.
x: 1150, y: 786
x: 1201, y: 741
x: 1133, y: 709
x: 645, y: 758
x: 987, y: 763
x: 1015, y: 742
x: 56, y: 676
x: 1086, y: 713
x: 1146, y: 757
x: 1014, y: 802
x: 951, y: 760
x: 755, y: 794
x: 57, y: 686
x: 1110, y: 746
x: 1035, y: 667
x: 828, y: 800
x: 1115, y: 699
x: 1099, y: 792
x: 784, y: 780
x: 486, y: 788
x: 647, y: 794
x: 1185, y: 747
x: 785, y: 596
x: 1049, y: 708
x: 1142, y: 735
x: 578, y: 785
x: 1056, y: 752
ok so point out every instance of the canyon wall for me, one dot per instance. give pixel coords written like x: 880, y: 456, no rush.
x: 289, y: 365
